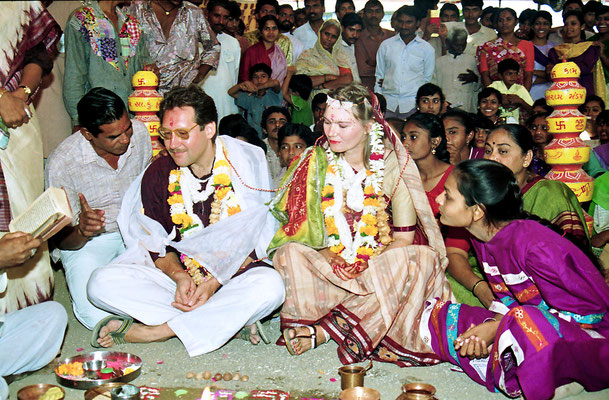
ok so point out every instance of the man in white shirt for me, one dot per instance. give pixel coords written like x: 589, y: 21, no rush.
x: 352, y: 26
x: 308, y: 33
x: 217, y: 83
x: 31, y: 337
x: 95, y: 166
x: 404, y: 63
x: 286, y: 26
x: 477, y: 33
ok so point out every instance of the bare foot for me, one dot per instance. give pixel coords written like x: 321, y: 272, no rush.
x: 300, y: 338
x: 254, y: 336
x: 138, y: 333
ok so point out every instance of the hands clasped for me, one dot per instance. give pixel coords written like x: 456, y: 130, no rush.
x: 344, y: 270
x: 190, y: 296
x: 477, y: 341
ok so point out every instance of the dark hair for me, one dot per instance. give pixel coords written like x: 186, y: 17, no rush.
x: 382, y: 102
x: 98, y: 107
x: 318, y: 99
x: 449, y: 7
x: 487, y: 92
x: 434, y: 127
x: 351, y: 19
x: 578, y: 14
x: 508, y: 64
x: 592, y: 7
x: 527, y: 15
x: 340, y: 3
x: 603, y: 116
x: 472, y: 3
x: 299, y: 11
x: 492, y: 186
x: 425, y: 5
x: 261, y: 3
x: 520, y: 135
x: 497, y: 12
x: 489, y: 10
x: 299, y: 130
x: 542, y: 103
x: 373, y: 3
x: 322, y: 2
x: 260, y: 67
x: 429, y: 89
x: 410, y: 11
x: 543, y: 14
x: 594, y: 97
x: 234, y: 11
x: 282, y: 6
x: 482, y: 122
x: 266, y: 19
x: 603, y: 9
x: 191, y: 96
x: 218, y: 3
x: 533, y: 117
x: 274, y: 109
x: 462, y: 117
x: 569, y: 2
x: 234, y: 125
x: 301, y: 84
x: 241, y: 27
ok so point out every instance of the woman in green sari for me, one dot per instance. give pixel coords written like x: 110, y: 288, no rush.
x: 512, y: 145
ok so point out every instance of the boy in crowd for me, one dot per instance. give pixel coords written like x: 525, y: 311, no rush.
x: 296, y: 90
x: 254, y: 95
x: 318, y: 105
x: 514, y: 96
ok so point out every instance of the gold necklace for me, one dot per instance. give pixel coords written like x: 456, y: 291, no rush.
x: 164, y: 10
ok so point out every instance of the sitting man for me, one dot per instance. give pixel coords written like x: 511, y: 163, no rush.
x: 196, y: 229
x: 31, y: 337
x: 95, y: 167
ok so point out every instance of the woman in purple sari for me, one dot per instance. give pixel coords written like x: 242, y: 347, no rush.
x: 549, y: 325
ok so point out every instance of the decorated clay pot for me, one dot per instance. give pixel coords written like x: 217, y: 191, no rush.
x: 145, y: 102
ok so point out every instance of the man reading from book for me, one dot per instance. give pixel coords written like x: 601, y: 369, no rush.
x: 195, y: 263
x: 95, y: 167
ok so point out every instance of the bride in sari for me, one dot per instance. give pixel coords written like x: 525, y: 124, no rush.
x: 359, y: 249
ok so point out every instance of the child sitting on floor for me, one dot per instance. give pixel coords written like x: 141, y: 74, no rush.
x: 254, y: 96
x: 296, y: 91
x: 515, y: 96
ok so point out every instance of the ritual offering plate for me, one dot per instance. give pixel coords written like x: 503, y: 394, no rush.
x: 41, y: 391
x: 89, y: 370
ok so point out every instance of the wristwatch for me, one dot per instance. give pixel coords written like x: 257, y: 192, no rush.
x: 27, y: 90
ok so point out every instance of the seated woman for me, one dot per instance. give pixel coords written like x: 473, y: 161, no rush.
x: 549, y: 325
x: 326, y: 63
x: 585, y: 54
x: 430, y: 100
x: 459, y: 130
x: 490, y: 105
x: 265, y: 51
x: 512, y: 145
x: 491, y: 53
x: 345, y: 248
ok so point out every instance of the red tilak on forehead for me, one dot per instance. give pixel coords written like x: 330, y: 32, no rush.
x: 171, y: 123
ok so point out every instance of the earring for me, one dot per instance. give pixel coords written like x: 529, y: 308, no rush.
x: 433, y: 151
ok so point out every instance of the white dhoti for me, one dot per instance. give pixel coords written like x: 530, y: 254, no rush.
x: 145, y: 293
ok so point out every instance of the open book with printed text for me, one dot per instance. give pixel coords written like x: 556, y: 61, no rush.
x: 46, y: 216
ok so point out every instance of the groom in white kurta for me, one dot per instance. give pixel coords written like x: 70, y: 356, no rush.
x: 149, y: 282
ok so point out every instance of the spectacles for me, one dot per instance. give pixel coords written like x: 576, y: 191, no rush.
x: 182, y: 133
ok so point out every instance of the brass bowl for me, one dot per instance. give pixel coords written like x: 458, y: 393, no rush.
x: 418, y: 391
x: 359, y: 393
x: 33, y: 392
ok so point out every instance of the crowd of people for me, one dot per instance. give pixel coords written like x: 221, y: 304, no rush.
x: 383, y: 189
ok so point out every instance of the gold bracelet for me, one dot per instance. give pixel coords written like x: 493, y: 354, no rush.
x: 475, y: 285
x: 3, y: 92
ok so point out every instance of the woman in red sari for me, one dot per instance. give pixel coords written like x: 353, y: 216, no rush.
x: 491, y: 53
x: 265, y: 51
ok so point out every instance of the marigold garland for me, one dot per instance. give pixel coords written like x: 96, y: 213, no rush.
x: 374, y: 219
x: 224, y: 205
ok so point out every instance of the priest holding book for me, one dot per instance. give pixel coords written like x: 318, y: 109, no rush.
x: 95, y: 167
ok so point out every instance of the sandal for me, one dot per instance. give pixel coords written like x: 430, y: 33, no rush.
x: 118, y: 336
x: 246, y: 332
x: 288, y: 341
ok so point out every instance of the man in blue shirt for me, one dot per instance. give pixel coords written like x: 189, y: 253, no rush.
x: 404, y: 63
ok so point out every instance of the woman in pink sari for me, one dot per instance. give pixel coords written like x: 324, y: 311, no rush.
x: 491, y: 53
x: 265, y: 51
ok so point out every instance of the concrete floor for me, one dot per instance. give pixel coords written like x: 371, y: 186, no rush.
x: 314, y: 374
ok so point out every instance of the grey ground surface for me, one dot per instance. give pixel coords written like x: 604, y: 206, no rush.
x: 313, y: 374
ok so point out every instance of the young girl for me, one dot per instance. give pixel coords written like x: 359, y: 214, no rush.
x: 549, y: 324
x: 482, y: 128
x: 430, y: 99
x: 538, y: 126
x: 459, y: 130
x: 490, y: 105
x: 293, y: 140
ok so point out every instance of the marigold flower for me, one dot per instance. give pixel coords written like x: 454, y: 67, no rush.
x: 326, y: 191
x: 369, y: 190
x: 371, y: 202
x: 369, y: 230
x: 233, y: 210
x: 175, y: 199
x: 369, y: 219
x: 222, y: 192
x: 173, y: 187
x: 337, y: 249
x: 326, y: 203
x: 222, y: 179
x: 221, y: 163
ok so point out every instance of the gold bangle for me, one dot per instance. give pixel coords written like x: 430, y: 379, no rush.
x: 3, y: 92
x: 475, y: 285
